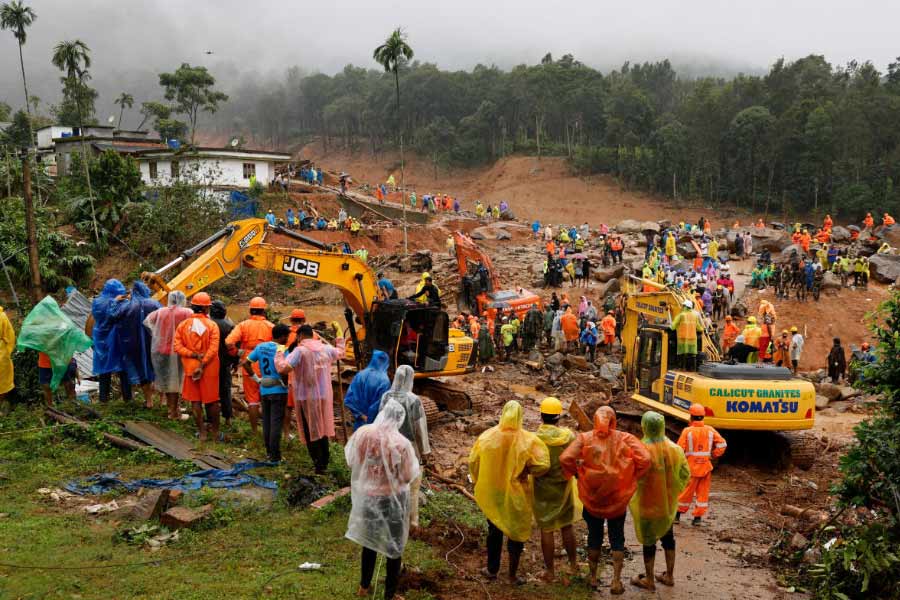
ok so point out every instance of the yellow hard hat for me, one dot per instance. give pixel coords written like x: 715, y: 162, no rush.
x: 551, y: 406
x: 751, y: 320
x: 794, y: 329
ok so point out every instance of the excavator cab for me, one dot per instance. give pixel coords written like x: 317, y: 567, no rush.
x: 652, y: 354
x: 411, y: 333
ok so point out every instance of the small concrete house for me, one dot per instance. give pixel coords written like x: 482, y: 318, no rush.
x: 218, y: 168
x: 59, y: 143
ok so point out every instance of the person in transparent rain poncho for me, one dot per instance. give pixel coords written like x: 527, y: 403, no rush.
x: 382, y: 464
x: 414, y: 428
x: 162, y: 324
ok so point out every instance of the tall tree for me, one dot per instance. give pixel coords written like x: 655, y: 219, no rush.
x: 74, y: 59
x: 16, y: 17
x: 124, y: 100
x: 191, y: 90
x: 389, y: 55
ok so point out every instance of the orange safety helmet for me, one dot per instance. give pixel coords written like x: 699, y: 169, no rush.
x: 298, y: 313
x: 258, y: 302
x: 201, y: 299
x: 697, y: 410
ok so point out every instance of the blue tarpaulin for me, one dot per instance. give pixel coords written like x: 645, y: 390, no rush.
x: 214, y: 478
x: 242, y: 205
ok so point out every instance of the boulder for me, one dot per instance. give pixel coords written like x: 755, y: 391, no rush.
x: 629, y: 226
x: 605, y: 274
x: 610, y: 371
x: 556, y: 359
x: 151, y: 505
x: 821, y: 402
x: 651, y: 225
x: 848, y: 392
x: 829, y: 390
x: 785, y: 255
x: 507, y: 215
x: 730, y: 237
x: 769, y: 239
x: 885, y: 268
x: 475, y: 234
x: 840, y: 234
x: 502, y: 234
x: 610, y: 287
x: 576, y: 361
x: 490, y: 233
x: 831, y: 281
x: 724, y: 256
x: 686, y: 249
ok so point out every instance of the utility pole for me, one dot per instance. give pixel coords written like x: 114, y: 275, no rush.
x: 31, y: 234
x: 403, y: 199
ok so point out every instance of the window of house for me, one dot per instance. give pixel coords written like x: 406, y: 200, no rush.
x: 174, y: 169
x: 249, y: 170
x: 153, y: 172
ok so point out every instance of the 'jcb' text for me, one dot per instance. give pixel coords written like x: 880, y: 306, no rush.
x: 300, y: 266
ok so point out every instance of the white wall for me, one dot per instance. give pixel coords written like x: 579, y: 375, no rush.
x: 208, y: 171
x: 45, y: 136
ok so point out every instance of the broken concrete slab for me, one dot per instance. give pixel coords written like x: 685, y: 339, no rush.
x: 151, y: 506
x: 180, y: 517
x: 326, y: 500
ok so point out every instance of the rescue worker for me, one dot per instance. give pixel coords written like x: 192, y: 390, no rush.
x: 104, y: 333
x: 502, y: 463
x: 752, y: 333
x: 588, y: 339
x: 197, y: 342
x: 309, y: 365
x: 242, y: 340
x: 608, y: 464
x: 608, y: 326
x: 129, y: 312
x: 868, y: 222
x: 556, y: 504
x: 219, y: 315
x: 837, y: 362
x: 427, y: 292
x: 655, y: 503
x: 363, y: 398
x: 701, y: 443
x: 781, y: 355
x: 687, y: 324
x: 531, y: 328
x: 485, y: 345
x: 827, y: 223
x: 162, y: 323
x: 887, y: 220
x: 414, y: 428
x: 272, y: 390
x: 549, y: 315
x: 508, y: 337
x: 568, y: 323
x: 7, y: 345
x: 382, y: 464
x: 729, y: 334
x: 796, y: 348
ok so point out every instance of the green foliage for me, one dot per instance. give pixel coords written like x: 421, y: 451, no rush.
x: 862, y: 561
x: 62, y: 261
x: 77, y: 106
x: 163, y: 123
x: 174, y: 217
x: 5, y: 111
x: 191, y: 90
x: 116, y: 181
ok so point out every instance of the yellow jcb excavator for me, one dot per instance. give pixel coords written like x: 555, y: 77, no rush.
x: 748, y: 397
x: 409, y: 332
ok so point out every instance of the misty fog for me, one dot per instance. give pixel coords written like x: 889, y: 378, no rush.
x: 132, y: 41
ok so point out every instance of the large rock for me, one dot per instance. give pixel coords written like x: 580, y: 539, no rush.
x: 829, y: 390
x: 848, y: 392
x: 605, y: 274
x: 629, y: 226
x: 769, y: 239
x: 576, y: 361
x: 490, y: 233
x: 885, y: 268
x: 831, y: 281
x: 610, y: 287
x: 651, y: 225
x: 840, y: 234
x: 610, y: 371
x: 556, y: 359
x: 821, y: 402
x: 686, y: 249
x: 724, y: 256
x: 785, y: 255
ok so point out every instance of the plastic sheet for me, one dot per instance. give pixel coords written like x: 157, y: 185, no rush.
x: 368, y: 386
x: 415, y: 424
x: 47, y: 329
x: 162, y: 324
x: 556, y: 502
x: 214, y: 478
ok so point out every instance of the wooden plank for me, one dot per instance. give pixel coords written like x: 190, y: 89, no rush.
x: 174, y: 445
x: 65, y: 418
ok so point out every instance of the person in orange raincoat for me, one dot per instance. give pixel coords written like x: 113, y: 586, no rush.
x: 760, y: 224
x: 868, y: 222
x: 608, y: 326
x: 608, y: 464
x: 781, y: 355
x: 822, y: 236
x: 197, y: 342
x: 767, y: 316
x: 795, y: 238
x: 729, y: 334
x: 569, y: 324
x: 246, y: 336
x: 550, y: 247
x: 805, y: 239
x: 827, y: 223
x: 887, y: 220
x: 701, y: 443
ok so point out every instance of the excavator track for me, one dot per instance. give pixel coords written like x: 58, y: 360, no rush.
x: 803, y: 447
x: 445, y: 396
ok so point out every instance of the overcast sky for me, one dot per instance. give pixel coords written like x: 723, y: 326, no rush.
x: 133, y: 40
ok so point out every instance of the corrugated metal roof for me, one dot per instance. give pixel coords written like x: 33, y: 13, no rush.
x: 125, y: 148
x: 77, y: 307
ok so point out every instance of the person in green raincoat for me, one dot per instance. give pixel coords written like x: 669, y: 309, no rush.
x: 556, y: 504
x: 687, y: 325
x: 655, y: 502
x: 485, y: 344
x: 502, y: 463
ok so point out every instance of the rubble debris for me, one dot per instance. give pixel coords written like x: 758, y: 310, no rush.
x: 174, y: 445
x: 303, y: 491
x: 326, y: 500
x: 179, y: 517
x: 151, y: 506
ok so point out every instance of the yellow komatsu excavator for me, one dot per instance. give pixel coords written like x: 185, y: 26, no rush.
x: 737, y: 397
x: 409, y: 332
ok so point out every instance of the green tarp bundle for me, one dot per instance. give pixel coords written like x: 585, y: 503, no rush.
x: 47, y: 329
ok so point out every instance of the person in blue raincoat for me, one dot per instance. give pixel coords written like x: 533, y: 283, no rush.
x: 104, y: 333
x: 364, y: 394
x: 128, y: 313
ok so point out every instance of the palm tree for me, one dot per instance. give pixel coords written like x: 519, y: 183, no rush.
x: 389, y: 55
x: 16, y: 17
x: 124, y: 99
x: 74, y: 58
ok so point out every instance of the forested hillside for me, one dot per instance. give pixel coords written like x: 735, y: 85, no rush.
x: 805, y: 134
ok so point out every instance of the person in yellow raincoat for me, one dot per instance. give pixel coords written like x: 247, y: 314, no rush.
x: 556, y: 503
x: 687, y: 325
x: 752, y: 332
x: 423, y: 299
x: 655, y: 502
x: 7, y: 343
x: 501, y: 465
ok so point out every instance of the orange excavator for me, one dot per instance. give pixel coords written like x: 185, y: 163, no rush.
x: 480, y: 292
